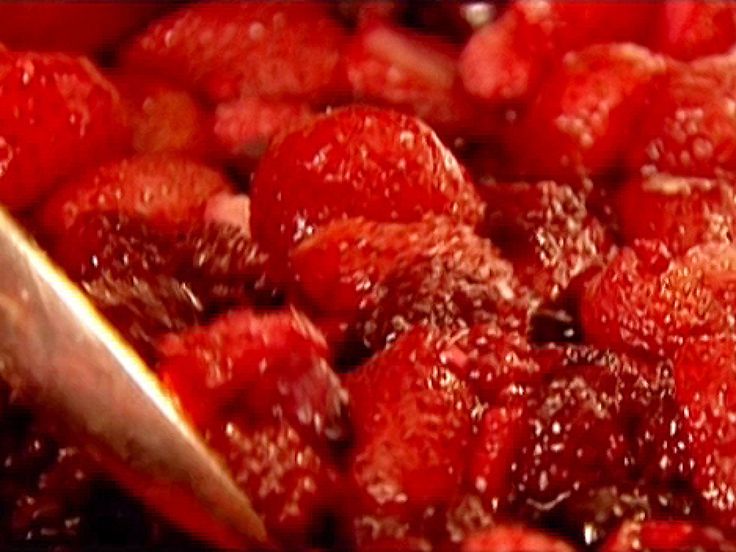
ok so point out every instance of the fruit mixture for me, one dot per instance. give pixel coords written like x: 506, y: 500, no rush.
x: 427, y: 275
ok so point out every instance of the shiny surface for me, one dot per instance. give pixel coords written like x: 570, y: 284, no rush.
x: 61, y: 357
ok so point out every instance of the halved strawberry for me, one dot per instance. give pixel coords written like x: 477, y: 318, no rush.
x: 166, y: 190
x: 57, y: 115
x: 356, y: 161
x: 228, y: 50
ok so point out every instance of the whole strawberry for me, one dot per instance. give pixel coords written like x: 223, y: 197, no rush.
x: 57, y: 114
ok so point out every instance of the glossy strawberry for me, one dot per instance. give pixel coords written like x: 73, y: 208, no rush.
x: 165, y: 190
x: 514, y: 539
x: 545, y: 229
x: 457, y: 283
x: 226, y: 50
x: 581, y: 123
x: 666, y: 535
x: 165, y: 117
x: 356, y: 161
x: 690, y: 29
x: 680, y: 211
x: 57, y: 115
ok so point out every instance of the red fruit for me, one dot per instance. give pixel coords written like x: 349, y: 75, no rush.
x: 57, y: 115
x: 514, y: 539
x: 412, y: 73
x: 246, y: 365
x: 629, y: 305
x: 680, y: 211
x: 288, y: 482
x: 83, y: 27
x: 412, y: 423
x: 164, y: 117
x: 665, y: 536
x: 706, y: 390
x: 229, y: 50
x: 245, y: 126
x: 690, y: 29
x: 165, y: 190
x: 546, y: 231
x: 689, y: 129
x: 581, y: 122
x: 357, y: 161
x: 457, y: 283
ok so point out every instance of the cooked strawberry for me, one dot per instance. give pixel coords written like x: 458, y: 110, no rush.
x: 664, y: 536
x: 581, y: 122
x: 57, y: 114
x: 509, y: 538
x: 629, y: 305
x: 357, y: 12
x: 457, y: 283
x: 546, y: 231
x: 412, y: 423
x: 229, y: 50
x: 679, y: 211
x: 245, y: 126
x: 257, y: 367
x: 690, y: 29
x: 82, y: 27
x: 412, y: 73
x: 357, y: 161
x: 164, y: 117
x: 689, y: 130
x: 165, y: 190
x: 289, y: 484
x: 456, y: 20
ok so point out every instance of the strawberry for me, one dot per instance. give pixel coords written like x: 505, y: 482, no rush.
x: 681, y: 211
x: 580, y: 124
x: 256, y: 367
x: 81, y: 27
x: 356, y: 161
x: 546, y: 231
x: 244, y: 127
x: 57, y: 115
x: 509, y: 538
x: 690, y: 29
x: 457, y: 283
x: 412, y: 73
x: 689, y: 129
x: 226, y: 50
x: 164, y: 117
x: 412, y: 423
x: 166, y: 190
x: 290, y: 485
x: 664, y: 536
x: 630, y: 305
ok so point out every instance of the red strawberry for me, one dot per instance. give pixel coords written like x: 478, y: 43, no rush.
x: 83, y: 27
x: 357, y: 12
x: 664, y: 536
x: 690, y: 29
x: 412, y: 422
x: 546, y: 230
x: 690, y: 129
x: 509, y: 538
x: 632, y: 306
x: 249, y: 365
x: 245, y: 126
x: 165, y: 190
x: 412, y: 73
x: 164, y: 117
x: 680, y: 211
x: 228, y: 50
x: 581, y: 122
x: 357, y: 161
x: 57, y: 115
x: 457, y: 283
x: 290, y: 485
